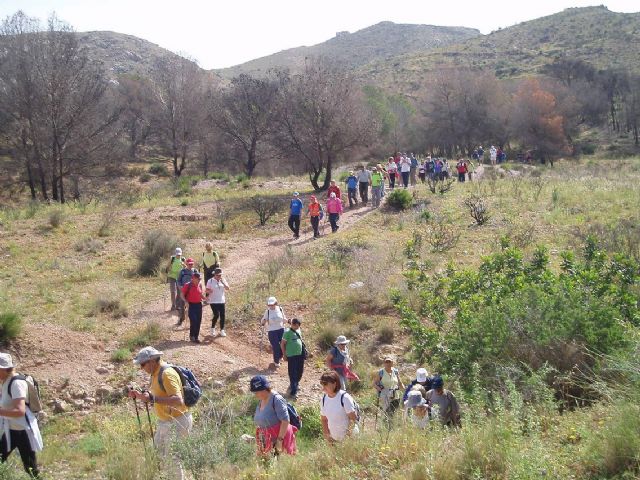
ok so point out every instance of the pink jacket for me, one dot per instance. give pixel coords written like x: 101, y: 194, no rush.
x: 334, y: 205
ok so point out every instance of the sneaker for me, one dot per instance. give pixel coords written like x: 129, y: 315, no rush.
x: 213, y: 331
x: 276, y: 365
x: 223, y: 333
x: 195, y: 340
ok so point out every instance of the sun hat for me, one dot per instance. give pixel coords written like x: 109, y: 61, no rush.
x: 421, y: 375
x: 388, y: 359
x: 351, y: 172
x: 6, y: 361
x: 341, y: 340
x: 146, y: 354
x: 178, y: 251
x: 414, y: 399
x: 272, y: 301
x: 259, y: 383
x: 190, y: 261
x: 437, y: 382
x: 295, y: 194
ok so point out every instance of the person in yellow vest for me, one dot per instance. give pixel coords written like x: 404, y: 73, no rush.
x: 377, y: 180
x: 387, y: 384
x: 166, y: 396
x: 173, y: 269
x: 210, y: 261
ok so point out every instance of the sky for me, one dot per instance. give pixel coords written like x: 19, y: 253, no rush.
x: 220, y: 34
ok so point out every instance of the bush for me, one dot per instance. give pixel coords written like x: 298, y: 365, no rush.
x: 108, y: 304
x: 107, y: 221
x: 148, y: 335
x: 10, y: 326
x: 386, y: 334
x: 311, y: 423
x: 265, y: 207
x: 121, y: 355
x: 478, y: 209
x: 399, y: 199
x: 56, y: 217
x: 144, y: 177
x: 326, y: 336
x: 157, y: 247
x: 90, y: 245
x: 158, y: 169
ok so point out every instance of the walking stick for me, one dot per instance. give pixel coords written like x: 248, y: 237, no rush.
x: 135, y: 404
x: 146, y: 404
x: 375, y: 427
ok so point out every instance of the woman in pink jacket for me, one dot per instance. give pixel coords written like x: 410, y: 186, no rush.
x: 334, y: 207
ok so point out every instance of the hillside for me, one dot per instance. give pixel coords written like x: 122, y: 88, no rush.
x: 596, y: 35
x: 379, y: 42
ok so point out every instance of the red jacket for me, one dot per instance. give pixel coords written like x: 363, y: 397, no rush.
x: 334, y: 189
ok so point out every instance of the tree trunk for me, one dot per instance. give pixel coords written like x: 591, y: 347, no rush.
x: 205, y: 164
x: 251, y: 159
x: 27, y: 162
x: 328, y: 169
x: 313, y: 177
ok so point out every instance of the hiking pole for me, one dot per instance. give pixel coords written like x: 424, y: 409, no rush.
x: 135, y: 404
x: 146, y: 404
x: 375, y: 426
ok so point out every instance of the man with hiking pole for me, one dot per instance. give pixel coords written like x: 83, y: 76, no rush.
x: 166, y: 396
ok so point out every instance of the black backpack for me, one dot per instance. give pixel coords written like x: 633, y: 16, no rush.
x: 191, y: 389
x: 294, y: 417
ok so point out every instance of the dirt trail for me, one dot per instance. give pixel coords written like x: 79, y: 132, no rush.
x: 57, y: 354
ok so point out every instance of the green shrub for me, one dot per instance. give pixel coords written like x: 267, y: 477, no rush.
x: 157, y: 248
x: 121, y: 355
x: 56, y: 217
x: 90, y: 245
x: 158, y: 169
x: 386, y: 334
x: 399, y: 199
x: 10, y: 326
x: 148, y: 335
x: 144, y: 177
x: 184, y: 202
x: 93, y: 445
x: 242, y: 178
x: 311, y: 423
x: 326, y: 336
x: 108, y: 304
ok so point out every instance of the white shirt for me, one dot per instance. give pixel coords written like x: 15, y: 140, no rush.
x: 275, y: 318
x: 19, y: 389
x: 405, y: 165
x: 337, y: 416
x: 217, y: 295
x: 418, y: 422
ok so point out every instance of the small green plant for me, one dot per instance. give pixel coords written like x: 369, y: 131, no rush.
x: 144, y: 177
x: 121, y: 355
x: 386, y: 334
x: 326, y: 336
x: 148, y: 335
x: 109, y: 304
x: 184, y: 202
x: 10, y: 326
x: 93, y: 445
x: 400, y: 199
x: 158, y: 169
x: 413, y: 246
x: 107, y: 221
x: 90, y: 245
x: 242, y: 178
x: 56, y: 217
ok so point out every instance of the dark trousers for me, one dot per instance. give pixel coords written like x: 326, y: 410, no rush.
x: 461, y: 177
x: 295, y: 366
x: 315, y: 223
x: 405, y: 179
x: 333, y: 220
x: 208, y: 272
x: 20, y: 440
x: 294, y: 224
x: 364, y: 192
x: 275, y: 337
x: 392, y: 180
x: 218, y: 311
x: 195, y: 319
x: 422, y: 176
x: 352, y: 194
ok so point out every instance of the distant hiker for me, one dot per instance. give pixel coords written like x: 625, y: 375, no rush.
x: 405, y: 170
x: 216, y: 288
x: 422, y: 171
x: 352, y: 189
x: 337, y: 410
x: 422, y: 379
x: 292, y: 352
x: 471, y: 168
x: 184, y: 278
x: 481, y: 154
x: 461, y: 168
x: 173, y: 270
x: 338, y: 359
x: 392, y: 171
x: 475, y: 155
x: 437, y: 169
x: 167, y: 397
x: 274, y: 319
x: 414, y: 169
x: 18, y: 424
x: 274, y: 431
x: 417, y: 410
x: 429, y: 166
x: 364, y: 179
x: 334, y: 209
x: 377, y: 181
x: 315, y: 215
x: 493, y: 154
x: 210, y: 261
x: 295, y: 210
x: 385, y: 177
x: 387, y: 384
x: 443, y: 404
x: 445, y: 168
x: 333, y: 188
x: 192, y: 295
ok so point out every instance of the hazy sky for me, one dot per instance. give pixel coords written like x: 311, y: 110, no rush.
x: 225, y: 33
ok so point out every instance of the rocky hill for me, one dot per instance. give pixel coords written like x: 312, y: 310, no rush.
x: 380, y: 42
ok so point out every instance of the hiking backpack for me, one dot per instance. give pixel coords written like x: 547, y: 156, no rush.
x: 356, y: 407
x: 33, y: 392
x: 294, y: 417
x: 191, y: 390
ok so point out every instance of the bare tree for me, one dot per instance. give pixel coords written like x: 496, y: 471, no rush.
x: 321, y: 117
x: 139, y: 112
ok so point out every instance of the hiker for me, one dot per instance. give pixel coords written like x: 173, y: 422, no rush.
x: 387, y: 384
x: 377, y: 181
x: 429, y: 165
x: 392, y: 171
x: 215, y: 289
x: 338, y: 359
x: 184, y: 278
x: 385, y: 177
x: 422, y: 379
x: 405, y: 170
x: 437, y: 170
x: 422, y: 171
x: 210, y: 261
x: 192, y: 295
x: 461, y: 167
x: 417, y: 410
x: 166, y: 395
x: 333, y: 188
x: 337, y: 410
x: 274, y: 318
x: 352, y: 189
x: 19, y: 426
x: 295, y: 209
x: 414, y: 167
x: 315, y: 215
x: 292, y: 353
x: 493, y: 154
x: 481, y: 154
x: 273, y: 428
x: 334, y: 209
x: 364, y: 179
x: 443, y: 404
x: 445, y: 168
x: 173, y: 269
x: 471, y: 167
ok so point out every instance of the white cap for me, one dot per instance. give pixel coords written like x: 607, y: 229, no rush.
x: 6, y: 361
x: 421, y: 375
x: 178, y: 251
x: 271, y: 301
x: 146, y: 354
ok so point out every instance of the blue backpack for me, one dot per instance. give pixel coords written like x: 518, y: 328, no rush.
x: 294, y: 417
x: 191, y: 390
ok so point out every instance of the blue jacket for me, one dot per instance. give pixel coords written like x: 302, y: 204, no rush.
x: 296, y: 206
x: 352, y: 181
x: 426, y: 385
